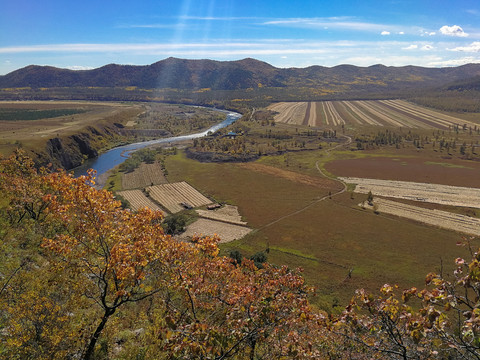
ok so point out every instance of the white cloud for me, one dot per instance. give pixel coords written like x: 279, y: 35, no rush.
x: 384, y: 33
x: 401, y: 33
x: 344, y: 23
x: 473, y: 12
x: 427, y: 33
x: 79, y: 67
x: 455, y: 62
x: 473, y: 47
x: 411, y: 47
x: 427, y: 47
x: 454, y: 30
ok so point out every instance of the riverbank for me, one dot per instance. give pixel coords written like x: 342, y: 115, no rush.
x: 114, y: 157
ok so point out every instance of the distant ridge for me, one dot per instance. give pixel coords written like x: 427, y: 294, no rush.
x: 233, y: 75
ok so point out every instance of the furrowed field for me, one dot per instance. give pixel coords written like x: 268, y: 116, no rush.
x: 382, y: 113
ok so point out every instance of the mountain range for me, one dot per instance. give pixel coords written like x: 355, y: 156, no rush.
x: 243, y: 74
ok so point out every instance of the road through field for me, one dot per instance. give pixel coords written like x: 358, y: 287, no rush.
x: 344, y: 187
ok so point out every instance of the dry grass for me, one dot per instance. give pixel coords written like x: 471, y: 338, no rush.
x: 33, y: 134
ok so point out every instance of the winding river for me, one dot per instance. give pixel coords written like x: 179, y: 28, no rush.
x: 116, y: 156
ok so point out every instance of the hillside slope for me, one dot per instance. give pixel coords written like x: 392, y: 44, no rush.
x: 232, y: 75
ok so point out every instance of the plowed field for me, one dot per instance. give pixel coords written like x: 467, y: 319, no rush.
x: 391, y: 113
x: 431, y: 193
x: 443, y: 219
x: 171, y: 196
x: 145, y: 175
x: 138, y: 200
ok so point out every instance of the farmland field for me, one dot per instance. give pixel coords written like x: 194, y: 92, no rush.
x: 143, y: 176
x: 444, y: 219
x: 227, y: 213
x: 171, y: 196
x: 427, y: 169
x: 207, y: 227
x: 138, y: 200
x: 382, y: 113
x: 423, y: 192
x: 328, y: 237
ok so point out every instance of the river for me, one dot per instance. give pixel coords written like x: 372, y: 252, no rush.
x: 111, y: 158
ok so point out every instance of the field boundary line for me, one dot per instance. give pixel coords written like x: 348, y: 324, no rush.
x: 329, y: 196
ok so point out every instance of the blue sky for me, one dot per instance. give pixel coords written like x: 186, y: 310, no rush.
x: 89, y: 34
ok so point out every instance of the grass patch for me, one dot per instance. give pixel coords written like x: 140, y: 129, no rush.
x: 447, y: 165
x: 35, y: 114
x: 114, y: 181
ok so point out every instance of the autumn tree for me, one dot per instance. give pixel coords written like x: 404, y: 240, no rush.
x: 443, y: 321
x: 94, y: 260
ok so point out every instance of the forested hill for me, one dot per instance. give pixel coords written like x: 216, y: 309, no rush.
x: 243, y: 74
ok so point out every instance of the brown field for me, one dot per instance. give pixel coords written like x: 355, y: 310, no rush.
x: 424, y: 168
x: 170, y: 196
x: 423, y: 192
x: 138, y: 200
x: 318, y: 182
x: 143, y: 176
x: 391, y: 113
x: 443, y: 219
x: 227, y: 232
x: 326, y: 238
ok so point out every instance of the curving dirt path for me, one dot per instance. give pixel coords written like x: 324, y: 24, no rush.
x: 329, y: 196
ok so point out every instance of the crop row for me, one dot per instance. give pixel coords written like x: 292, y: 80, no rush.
x: 172, y: 196
x: 145, y: 175
x: 392, y: 113
x: 443, y: 219
x: 431, y: 193
x: 138, y: 200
